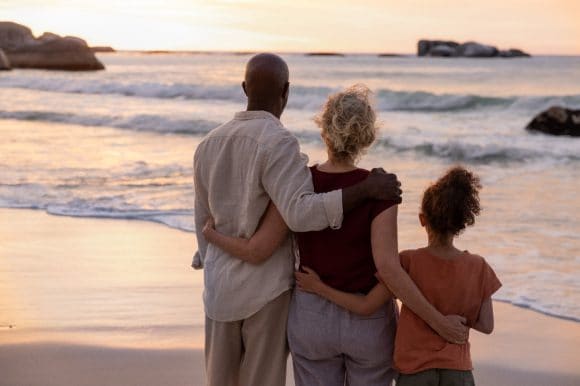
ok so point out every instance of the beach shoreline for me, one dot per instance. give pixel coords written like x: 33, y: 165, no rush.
x: 526, y: 348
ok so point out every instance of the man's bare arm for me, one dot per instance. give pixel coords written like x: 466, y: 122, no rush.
x: 379, y: 185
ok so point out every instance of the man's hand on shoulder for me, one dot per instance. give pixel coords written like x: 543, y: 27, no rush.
x: 381, y: 185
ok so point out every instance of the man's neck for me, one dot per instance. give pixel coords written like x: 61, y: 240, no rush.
x: 262, y: 107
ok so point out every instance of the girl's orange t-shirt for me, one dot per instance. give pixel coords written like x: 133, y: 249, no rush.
x: 457, y: 286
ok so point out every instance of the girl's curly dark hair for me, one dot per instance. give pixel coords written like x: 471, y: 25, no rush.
x: 451, y: 204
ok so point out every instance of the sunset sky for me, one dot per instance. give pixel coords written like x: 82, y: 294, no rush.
x: 537, y: 26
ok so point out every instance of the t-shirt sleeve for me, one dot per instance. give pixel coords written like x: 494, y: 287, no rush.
x: 405, y: 258
x: 489, y: 281
x: 379, y: 206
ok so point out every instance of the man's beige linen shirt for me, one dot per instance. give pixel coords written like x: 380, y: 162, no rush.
x: 238, y: 168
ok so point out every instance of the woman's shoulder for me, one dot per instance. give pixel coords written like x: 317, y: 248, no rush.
x: 326, y: 181
x: 360, y: 171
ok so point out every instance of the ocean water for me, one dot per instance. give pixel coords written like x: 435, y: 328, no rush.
x: 119, y: 144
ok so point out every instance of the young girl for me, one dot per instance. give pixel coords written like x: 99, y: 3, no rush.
x: 454, y: 281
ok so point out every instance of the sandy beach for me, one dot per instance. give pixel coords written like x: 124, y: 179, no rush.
x: 527, y: 348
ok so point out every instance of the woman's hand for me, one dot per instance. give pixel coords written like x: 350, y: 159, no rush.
x: 454, y: 329
x: 208, y: 227
x: 308, y: 281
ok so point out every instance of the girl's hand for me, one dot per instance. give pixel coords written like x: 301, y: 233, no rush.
x: 208, y: 227
x: 308, y: 281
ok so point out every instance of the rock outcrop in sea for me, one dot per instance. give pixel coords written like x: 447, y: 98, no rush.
x: 557, y: 120
x: 49, y: 51
x: 448, y: 48
x: 4, y: 62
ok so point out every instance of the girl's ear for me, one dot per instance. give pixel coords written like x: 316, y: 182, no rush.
x: 422, y: 219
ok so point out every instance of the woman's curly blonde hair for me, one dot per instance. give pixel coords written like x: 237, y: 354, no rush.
x: 348, y: 122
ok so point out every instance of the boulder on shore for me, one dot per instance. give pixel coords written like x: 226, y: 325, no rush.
x: 447, y: 48
x: 49, y: 51
x: 4, y: 62
x: 557, y: 120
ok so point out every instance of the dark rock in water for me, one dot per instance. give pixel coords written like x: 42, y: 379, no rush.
x: 324, y: 54
x: 557, y: 121
x: 442, y: 50
x: 156, y: 52
x: 103, y: 49
x: 424, y: 47
x: 445, y: 48
x: 513, y: 53
x: 4, y: 62
x: 389, y: 55
x: 477, y: 50
x: 49, y: 51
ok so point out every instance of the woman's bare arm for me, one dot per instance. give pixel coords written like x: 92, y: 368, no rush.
x: 485, y: 320
x: 271, y: 232
x: 365, y: 305
x: 386, y: 256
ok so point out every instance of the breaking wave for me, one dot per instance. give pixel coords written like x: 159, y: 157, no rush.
x: 302, y: 97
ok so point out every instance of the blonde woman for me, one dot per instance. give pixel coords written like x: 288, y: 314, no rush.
x: 329, y: 344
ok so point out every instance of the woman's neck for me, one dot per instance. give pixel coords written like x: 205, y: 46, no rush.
x: 334, y: 165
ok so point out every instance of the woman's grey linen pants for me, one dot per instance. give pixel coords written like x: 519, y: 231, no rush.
x: 331, y: 346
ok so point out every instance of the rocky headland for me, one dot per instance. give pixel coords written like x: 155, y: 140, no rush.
x: 49, y: 51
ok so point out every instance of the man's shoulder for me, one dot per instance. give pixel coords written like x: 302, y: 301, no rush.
x: 264, y: 132
x: 219, y: 131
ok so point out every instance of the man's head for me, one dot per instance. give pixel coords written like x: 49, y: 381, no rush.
x: 266, y: 83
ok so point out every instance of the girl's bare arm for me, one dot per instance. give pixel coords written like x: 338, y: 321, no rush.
x: 386, y: 256
x: 359, y: 304
x: 485, y: 320
x: 271, y: 232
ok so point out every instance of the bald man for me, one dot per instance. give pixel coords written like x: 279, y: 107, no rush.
x: 238, y: 168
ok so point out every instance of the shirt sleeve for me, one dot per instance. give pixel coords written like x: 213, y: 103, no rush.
x: 201, y: 212
x: 489, y: 281
x: 288, y: 181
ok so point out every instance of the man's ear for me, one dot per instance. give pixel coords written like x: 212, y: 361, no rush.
x: 244, y: 87
x: 286, y: 90
x: 422, y: 219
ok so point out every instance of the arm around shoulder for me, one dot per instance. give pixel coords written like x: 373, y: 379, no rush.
x: 271, y: 232
x: 286, y: 178
x: 386, y: 256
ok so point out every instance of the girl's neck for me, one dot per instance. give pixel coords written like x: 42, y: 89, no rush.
x: 334, y: 165
x: 442, y: 246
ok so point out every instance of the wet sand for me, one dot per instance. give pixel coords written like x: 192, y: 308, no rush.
x: 527, y: 348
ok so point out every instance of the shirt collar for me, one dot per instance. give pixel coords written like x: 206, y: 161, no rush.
x: 256, y: 114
